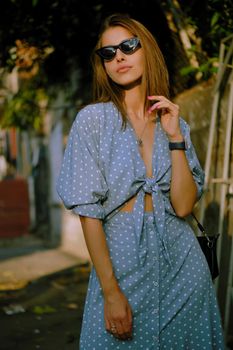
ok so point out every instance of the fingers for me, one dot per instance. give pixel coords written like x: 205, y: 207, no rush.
x: 121, y: 329
x: 107, y: 325
x: 127, y: 325
x: 129, y: 320
x: 118, y: 317
x: 157, y: 98
x: 162, y: 102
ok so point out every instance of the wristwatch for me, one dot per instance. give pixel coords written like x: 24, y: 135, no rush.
x: 177, y: 146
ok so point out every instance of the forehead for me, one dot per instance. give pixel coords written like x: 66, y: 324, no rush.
x: 114, y: 35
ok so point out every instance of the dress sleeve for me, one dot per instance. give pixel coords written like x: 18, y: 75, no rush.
x: 81, y: 183
x: 195, y: 167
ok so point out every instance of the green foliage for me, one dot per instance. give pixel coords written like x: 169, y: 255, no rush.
x: 188, y: 70
x: 45, y: 309
x: 213, y: 21
x: 62, y: 34
x: 208, y: 68
x: 220, y: 24
x: 34, y: 2
x: 23, y: 110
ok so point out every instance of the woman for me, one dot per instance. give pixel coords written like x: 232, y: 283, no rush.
x: 131, y: 173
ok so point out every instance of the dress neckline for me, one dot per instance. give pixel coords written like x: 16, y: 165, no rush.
x: 136, y: 147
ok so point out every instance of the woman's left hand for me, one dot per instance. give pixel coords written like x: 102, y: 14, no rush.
x: 169, y: 116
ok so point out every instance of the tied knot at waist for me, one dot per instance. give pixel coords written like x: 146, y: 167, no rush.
x: 150, y: 185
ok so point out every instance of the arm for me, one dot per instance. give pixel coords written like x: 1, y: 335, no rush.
x: 82, y: 187
x: 183, y: 192
x: 117, y: 310
x: 98, y: 250
x: 183, y: 189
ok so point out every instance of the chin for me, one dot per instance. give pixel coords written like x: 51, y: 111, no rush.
x: 129, y: 84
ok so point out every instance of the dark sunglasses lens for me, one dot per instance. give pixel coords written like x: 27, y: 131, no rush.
x: 107, y: 53
x: 129, y: 45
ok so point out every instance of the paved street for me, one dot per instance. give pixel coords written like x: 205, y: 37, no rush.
x: 46, y: 314
x: 42, y: 291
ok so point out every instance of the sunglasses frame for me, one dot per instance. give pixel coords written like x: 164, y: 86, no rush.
x: 119, y: 46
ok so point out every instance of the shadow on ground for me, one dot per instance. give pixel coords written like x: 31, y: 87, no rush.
x: 46, y: 314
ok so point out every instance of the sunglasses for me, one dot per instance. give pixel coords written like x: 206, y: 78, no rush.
x: 127, y: 46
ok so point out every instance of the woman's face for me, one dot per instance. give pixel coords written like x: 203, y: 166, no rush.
x: 123, y: 69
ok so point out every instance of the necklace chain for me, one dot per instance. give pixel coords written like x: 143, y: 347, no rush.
x: 139, y: 138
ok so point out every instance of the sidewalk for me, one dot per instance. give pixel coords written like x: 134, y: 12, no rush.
x: 42, y: 294
x: 47, y: 313
x: 17, y: 272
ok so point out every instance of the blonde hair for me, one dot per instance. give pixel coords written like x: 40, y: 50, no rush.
x: 155, y: 77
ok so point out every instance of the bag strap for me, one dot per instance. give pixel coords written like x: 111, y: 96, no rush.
x: 201, y: 228
x: 199, y: 225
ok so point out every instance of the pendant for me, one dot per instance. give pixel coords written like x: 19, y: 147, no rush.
x: 140, y: 143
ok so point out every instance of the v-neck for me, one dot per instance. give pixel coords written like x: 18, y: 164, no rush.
x: 153, y: 147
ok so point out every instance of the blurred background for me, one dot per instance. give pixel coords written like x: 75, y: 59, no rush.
x: 45, y: 78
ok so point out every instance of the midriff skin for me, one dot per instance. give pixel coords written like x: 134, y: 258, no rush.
x: 148, y: 206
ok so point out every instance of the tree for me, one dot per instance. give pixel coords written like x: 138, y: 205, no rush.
x: 47, y: 41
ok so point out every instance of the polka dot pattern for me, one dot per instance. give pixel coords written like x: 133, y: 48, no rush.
x: 156, y: 257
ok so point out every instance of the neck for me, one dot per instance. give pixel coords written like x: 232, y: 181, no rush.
x: 134, y: 102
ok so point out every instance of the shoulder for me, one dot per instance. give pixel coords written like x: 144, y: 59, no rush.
x: 184, y: 125
x: 88, y: 115
x: 94, y: 115
x: 185, y: 129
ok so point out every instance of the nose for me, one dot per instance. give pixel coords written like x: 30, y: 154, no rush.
x: 119, y: 55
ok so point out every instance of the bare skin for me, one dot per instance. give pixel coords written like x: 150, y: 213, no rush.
x: 117, y: 310
x: 183, y: 189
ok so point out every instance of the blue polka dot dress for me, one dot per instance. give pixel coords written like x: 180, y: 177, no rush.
x: 156, y: 257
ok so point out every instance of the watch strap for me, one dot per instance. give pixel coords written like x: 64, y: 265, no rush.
x: 177, y: 146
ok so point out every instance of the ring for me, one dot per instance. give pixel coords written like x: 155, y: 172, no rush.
x: 113, y: 329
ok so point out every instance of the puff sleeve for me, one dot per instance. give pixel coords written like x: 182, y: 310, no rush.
x: 81, y: 183
x: 195, y: 167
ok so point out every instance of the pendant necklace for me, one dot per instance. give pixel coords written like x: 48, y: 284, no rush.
x: 139, y: 138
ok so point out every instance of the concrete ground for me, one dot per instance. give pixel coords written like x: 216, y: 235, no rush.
x: 25, y: 259
x: 42, y: 291
x: 46, y: 314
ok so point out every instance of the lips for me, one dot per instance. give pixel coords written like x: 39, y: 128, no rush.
x: 123, y: 69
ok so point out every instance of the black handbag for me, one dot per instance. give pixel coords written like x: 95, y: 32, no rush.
x: 208, y: 244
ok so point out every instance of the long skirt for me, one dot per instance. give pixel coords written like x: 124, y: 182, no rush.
x: 174, y: 304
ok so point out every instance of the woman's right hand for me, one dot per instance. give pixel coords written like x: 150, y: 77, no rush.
x: 118, y: 315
